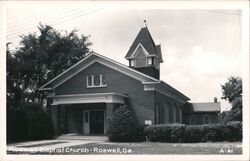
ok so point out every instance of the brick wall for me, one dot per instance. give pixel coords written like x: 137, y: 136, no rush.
x: 141, y: 102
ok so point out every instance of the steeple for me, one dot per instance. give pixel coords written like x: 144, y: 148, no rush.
x: 144, y: 55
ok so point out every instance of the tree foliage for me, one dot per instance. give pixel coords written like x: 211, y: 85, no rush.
x: 41, y: 57
x: 232, y: 92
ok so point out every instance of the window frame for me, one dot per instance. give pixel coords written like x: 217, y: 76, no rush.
x: 92, y: 84
x: 132, y: 64
x: 205, y: 119
x: 151, y: 60
x: 190, y: 119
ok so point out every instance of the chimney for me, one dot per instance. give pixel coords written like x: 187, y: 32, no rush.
x: 215, y: 99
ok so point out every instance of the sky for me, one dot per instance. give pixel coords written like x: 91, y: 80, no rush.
x: 200, y: 48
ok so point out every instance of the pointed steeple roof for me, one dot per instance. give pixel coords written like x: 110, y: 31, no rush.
x: 145, y: 39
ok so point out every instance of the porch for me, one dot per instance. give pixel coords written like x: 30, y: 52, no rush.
x: 87, y: 114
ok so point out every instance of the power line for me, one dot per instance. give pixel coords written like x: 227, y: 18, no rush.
x: 26, y: 26
x: 27, y: 18
x: 217, y: 11
x: 60, y: 22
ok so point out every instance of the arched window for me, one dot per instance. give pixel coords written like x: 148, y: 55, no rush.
x: 192, y: 120
x: 206, y: 119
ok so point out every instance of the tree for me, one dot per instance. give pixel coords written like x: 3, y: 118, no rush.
x: 41, y: 57
x: 232, y: 92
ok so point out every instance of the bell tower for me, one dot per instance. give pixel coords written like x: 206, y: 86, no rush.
x: 144, y: 55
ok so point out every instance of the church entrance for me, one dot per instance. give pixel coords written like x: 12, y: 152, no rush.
x: 96, y: 122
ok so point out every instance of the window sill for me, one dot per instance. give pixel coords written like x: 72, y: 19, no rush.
x: 97, y: 86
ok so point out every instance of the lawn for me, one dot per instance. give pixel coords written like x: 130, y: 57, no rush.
x: 150, y: 148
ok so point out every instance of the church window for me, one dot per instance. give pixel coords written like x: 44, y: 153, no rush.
x: 150, y: 60
x: 132, y: 62
x: 96, y: 81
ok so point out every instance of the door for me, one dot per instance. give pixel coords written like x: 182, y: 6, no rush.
x: 86, y: 122
x: 96, y: 122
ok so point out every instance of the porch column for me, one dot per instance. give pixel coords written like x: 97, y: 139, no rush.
x: 109, y: 115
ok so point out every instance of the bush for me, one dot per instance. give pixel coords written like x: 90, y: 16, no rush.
x: 123, y: 127
x: 232, y: 131
x: 194, y: 133
x: 17, y: 125
x: 165, y: 133
x: 213, y: 132
x: 41, y: 126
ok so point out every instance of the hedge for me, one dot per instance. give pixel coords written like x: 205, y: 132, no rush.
x: 17, y: 125
x: 23, y: 126
x: 165, y: 133
x: 41, y: 126
x: 173, y: 133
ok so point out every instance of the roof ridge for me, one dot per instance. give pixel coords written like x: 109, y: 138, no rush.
x: 151, y: 39
x: 95, y: 53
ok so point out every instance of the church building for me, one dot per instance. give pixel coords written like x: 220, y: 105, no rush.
x: 84, y: 97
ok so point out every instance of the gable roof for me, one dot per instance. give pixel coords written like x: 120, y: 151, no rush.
x: 203, y: 107
x: 145, y: 39
x: 89, y: 60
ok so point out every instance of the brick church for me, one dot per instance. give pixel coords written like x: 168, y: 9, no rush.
x: 84, y: 97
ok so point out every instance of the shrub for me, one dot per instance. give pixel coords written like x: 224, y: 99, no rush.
x: 165, y: 133
x: 123, y: 126
x: 41, y: 126
x: 213, y: 132
x: 232, y: 131
x: 17, y: 125
x: 194, y: 133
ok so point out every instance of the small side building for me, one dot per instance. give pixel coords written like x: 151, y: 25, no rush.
x: 201, y: 113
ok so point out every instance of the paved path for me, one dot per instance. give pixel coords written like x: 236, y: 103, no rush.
x: 61, y: 142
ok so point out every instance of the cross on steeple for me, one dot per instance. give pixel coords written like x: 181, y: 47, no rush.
x: 145, y: 23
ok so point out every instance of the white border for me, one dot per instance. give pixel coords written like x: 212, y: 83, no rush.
x: 244, y: 5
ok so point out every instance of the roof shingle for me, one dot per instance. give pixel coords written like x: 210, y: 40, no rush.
x: 203, y: 107
x: 146, y: 40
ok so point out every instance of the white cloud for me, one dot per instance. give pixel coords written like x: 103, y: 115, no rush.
x: 210, y: 63
x: 200, y: 74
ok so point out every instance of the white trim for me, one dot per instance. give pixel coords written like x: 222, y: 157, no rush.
x: 110, y: 63
x: 145, y: 52
x: 93, y: 80
x: 42, y: 88
x: 147, y: 64
x: 89, y: 98
x: 153, y: 86
x: 160, y: 86
x: 131, y: 62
